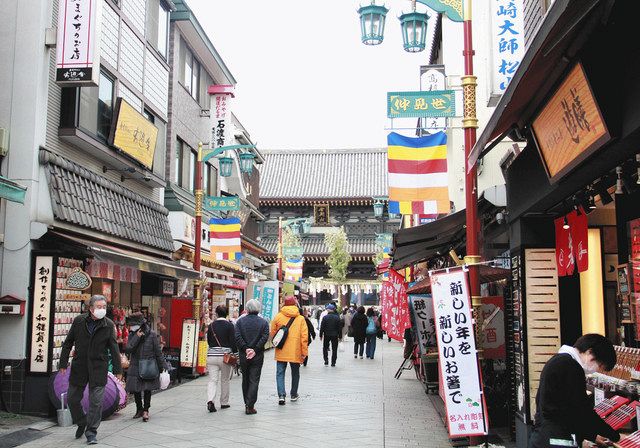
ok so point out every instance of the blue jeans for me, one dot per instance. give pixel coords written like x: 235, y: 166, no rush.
x: 281, y: 368
x: 371, y: 345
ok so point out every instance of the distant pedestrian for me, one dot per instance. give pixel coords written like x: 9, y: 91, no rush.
x: 221, y: 338
x: 318, y: 314
x: 143, y: 347
x: 330, y: 332
x: 93, y: 335
x: 373, y: 326
x: 312, y: 331
x: 251, y: 334
x: 359, y: 326
x: 294, y: 350
x: 346, y: 323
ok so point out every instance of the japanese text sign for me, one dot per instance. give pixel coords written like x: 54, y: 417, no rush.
x: 41, y: 315
x: 266, y: 293
x: 570, y: 127
x: 221, y: 127
x: 432, y: 77
x: 458, y: 361
x: 188, y: 347
x: 508, y: 47
x: 395, y: 309
x: 77, y: 48
x: 133, y: 134
x: 436, y: 103
x: 423, y: 321
x: 222, y: 203
x: 493, y: 340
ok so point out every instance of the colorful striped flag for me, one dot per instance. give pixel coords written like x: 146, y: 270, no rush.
x: 225, y: 239
x: 418, y: 178
x: 293, y: 269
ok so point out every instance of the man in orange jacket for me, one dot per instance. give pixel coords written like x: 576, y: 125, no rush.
x: 294, y: 350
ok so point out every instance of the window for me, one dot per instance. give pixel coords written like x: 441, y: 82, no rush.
x: 188, y: 69
x: 96, y: 108
x: 195, y: 83
x: 193, y: 156
x: 158, y: 25
x: 178, y: 164
x: 193, y: 76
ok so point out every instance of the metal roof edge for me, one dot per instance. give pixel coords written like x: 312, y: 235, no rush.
x: 305, y: 151
x: 184, y: 14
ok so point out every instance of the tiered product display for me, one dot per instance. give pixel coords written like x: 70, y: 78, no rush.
x: 68, y: 304
x: 625, y: 376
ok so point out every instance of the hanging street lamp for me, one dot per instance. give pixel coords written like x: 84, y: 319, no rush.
x: 226, y: 166
x: 306, y: 226
x: 414, y: 30
x: 246, y: 162
x: 372, y: 19
x: 378, y: 207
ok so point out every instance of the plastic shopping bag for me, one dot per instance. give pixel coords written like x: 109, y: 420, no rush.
x: 341, y: 347
x: 165, y: 379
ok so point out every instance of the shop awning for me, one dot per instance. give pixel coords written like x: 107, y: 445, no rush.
x: 545, y: 60
x: 488, y: 274
x: 143, y: 262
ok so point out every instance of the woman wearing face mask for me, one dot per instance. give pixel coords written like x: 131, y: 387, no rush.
x: 143, y: 346
x: 564, y: 412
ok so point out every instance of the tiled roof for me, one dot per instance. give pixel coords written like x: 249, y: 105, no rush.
x: 360, y: 245
x: 83, y: 198
x: 326, y: 174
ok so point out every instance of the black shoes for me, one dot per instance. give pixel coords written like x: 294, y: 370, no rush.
x: 250, y: 411
x: 333, y: 365
x: 326, y: 363
x: 91, y: 440
x: 80, y: 431
x: 211, y: 407
x: 225, y: 406
x: 281, y: 401
x: 138, y: 414
x: 295, y: 397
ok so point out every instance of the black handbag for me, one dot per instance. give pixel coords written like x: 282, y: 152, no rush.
x: 148, y: 369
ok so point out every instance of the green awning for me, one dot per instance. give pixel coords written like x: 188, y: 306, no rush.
x: 11, y: 191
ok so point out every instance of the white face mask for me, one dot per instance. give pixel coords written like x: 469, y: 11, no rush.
x: 134, y: 328
x: 99, y: 313
x: 591, y: 367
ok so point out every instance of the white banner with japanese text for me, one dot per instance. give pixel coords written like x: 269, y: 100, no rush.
x: 221, y: 126
x: 507, y: 43
x: 188, y: 346
x: 78, y: 43
x: 458, y: 361
x: 41, y: 315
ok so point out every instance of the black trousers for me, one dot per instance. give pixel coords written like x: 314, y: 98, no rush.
x: 251, y: 370
x: 334, y: 348
x: 358, y: 345
x: 147, y: 400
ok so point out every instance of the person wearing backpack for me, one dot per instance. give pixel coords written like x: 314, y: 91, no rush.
x: 373, y: 324
x: 290, y: 337
x: 359, y: 326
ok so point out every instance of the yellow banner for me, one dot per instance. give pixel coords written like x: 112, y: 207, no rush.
x: 134, y: 134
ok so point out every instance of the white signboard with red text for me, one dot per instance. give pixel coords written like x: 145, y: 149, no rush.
x: 78, y: 43
x: 458, y: 361
x: 41, y: 315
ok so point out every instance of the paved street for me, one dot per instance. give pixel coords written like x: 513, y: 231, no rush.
x: 356, y: 404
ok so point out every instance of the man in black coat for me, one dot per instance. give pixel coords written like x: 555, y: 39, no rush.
x: 330, y: 331
x: 92, y: 334
x: 564, y: 413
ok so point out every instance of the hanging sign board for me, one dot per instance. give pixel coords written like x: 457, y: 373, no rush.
x: 266, y: 293
x: 78, y: 43
x: 41, y: 315
x: 458, y: 361
x: 432, y: 77
x: 570, y: 127
x: 188, y: 346
x: 423, y: 322
x: 220, y: 112
x: 507, y: 42
x: 221, y: 203
x: 133, y: 134
x: 436, y: 103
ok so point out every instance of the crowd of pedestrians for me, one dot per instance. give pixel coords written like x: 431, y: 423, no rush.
x: 239, y: 341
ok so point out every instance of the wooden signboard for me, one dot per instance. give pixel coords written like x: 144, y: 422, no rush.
x: 570, y: 127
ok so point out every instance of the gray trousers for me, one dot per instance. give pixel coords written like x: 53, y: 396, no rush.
x: 92, y: 419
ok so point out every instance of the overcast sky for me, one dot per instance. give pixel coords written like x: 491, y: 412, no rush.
x: 305, y: 80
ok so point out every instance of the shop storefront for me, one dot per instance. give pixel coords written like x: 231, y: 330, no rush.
x: 573, y: 200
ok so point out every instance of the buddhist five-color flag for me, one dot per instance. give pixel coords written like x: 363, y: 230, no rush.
x: 418, y: 178
x: 293, y: 269
x: 225, y: 239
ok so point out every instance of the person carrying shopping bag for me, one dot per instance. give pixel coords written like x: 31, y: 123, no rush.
x: 293, y: 350
x: 222, y: 341
x: 146, y: 364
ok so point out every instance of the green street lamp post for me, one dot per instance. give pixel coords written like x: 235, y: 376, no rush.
x: 372, y: 20
x: 414, y: 30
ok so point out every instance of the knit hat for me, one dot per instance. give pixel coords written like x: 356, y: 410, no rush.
x: 290, y: 301
x: 330, y: 306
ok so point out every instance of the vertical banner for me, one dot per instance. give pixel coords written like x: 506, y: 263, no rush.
x: 564, y: 248
x: 423, y: 322
x: 188, y: 347
x: 458, y: 360
x: 395, y: 309
x: 220, y: 110
x: 78, y: 44
x: 507, y: 44
x: 579, y: 228
x: 432, y: 77
x: 493, y: 340
x: 267, y: 294
x: 41, y: 315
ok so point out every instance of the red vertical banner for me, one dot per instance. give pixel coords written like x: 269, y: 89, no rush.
x: 579, y: 229
x: 565, y: 259
x: 395, y: 309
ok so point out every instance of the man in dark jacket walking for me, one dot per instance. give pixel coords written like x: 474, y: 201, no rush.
x: 252, y: 333
x: 330, y: 331
x: 92, y: 334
